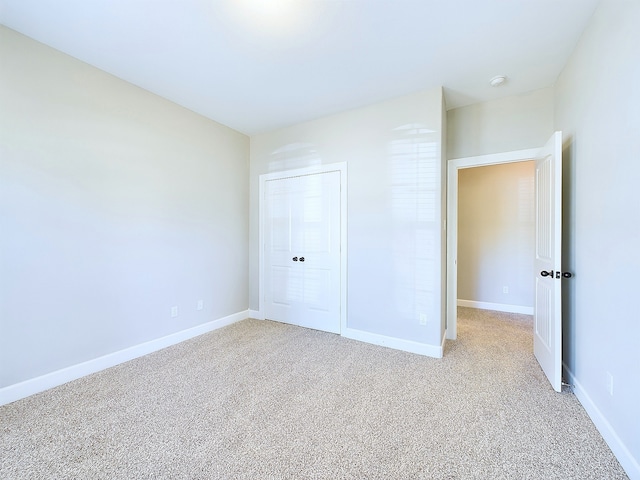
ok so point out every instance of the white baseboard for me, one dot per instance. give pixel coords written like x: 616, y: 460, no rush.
x: 392, y: 342
x: 498, y: 307
x: 630, y: 464
x: 32, y: 386
x: 256, y: 314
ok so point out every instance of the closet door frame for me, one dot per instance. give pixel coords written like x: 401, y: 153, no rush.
x: 335, y: 167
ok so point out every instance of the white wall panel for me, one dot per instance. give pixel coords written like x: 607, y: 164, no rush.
x: 115, y: 205
x: 503, y: 125
x: 598, y: 110
x: 393, y: 153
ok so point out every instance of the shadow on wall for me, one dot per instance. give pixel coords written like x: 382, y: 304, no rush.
x: 414, y: 186
x: 568, y: 254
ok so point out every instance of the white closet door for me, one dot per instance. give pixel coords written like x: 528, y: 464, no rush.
x: 302, y: 251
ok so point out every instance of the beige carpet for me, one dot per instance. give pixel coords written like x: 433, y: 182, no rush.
x: 259, y: 400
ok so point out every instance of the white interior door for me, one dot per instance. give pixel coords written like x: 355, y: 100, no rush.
x: 547, y: 341
x: 302, y: 251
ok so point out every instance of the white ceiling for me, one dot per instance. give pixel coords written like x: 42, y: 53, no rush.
x: 257, y: 65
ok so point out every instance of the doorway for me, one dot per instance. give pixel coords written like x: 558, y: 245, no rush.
x: 547, y: 312
x: 454, y: 168
x: 496, y: 237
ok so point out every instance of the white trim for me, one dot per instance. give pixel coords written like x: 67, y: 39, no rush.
x: 333, y: 167
x: 256, y: 314
x: 630, y: 464
x: 434, y: 351
x: 498, y: 307
x: 343, y: 244
x: 32, y: 386
x: 261, y: 193
x: 452, y: 220
x: 496, y: 158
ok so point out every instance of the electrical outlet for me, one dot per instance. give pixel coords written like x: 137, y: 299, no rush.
x: 200, y: 305
x: 423, y: 319
x: 174, y: 312
x: 610, y: 383
x: 505, y: 289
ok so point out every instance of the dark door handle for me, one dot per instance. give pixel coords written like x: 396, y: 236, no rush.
x: 295, y: 259
x: 302, y: 259
x: 557, y: 274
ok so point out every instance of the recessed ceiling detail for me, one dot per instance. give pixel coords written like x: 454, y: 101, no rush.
x: 498, y: 80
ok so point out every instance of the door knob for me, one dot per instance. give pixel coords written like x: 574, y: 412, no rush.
x: 295, y: 259
x: 557, y: 274
x: 302, y: 259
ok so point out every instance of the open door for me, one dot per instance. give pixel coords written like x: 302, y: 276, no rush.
x: 547, y: 334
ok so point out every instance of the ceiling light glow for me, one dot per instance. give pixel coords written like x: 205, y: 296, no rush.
x: 270, y: 14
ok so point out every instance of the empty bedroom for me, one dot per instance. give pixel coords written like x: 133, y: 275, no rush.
x: 319, y: 239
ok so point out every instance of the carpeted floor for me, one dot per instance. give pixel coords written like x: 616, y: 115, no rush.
x: 260, y: 400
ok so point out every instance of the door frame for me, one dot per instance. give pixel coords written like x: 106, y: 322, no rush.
x: 313, y: 170
x: 452, y: 221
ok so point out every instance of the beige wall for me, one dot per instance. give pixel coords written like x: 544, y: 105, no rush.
x: 503, y: 125
x: 395, y: 181
x: 598, y: 109
x: 496, y: 228
x: 115, y: 205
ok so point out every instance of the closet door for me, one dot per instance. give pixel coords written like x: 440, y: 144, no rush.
x: 302, y: 251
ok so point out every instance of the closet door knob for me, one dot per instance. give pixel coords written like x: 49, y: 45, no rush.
x: 546, y: 274
x: 302, y: 259
x: 295, y: 259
